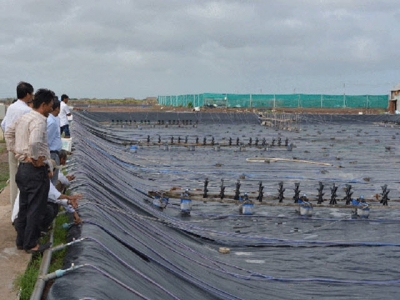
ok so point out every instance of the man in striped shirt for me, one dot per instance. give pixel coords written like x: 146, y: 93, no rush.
x: 27, y: 138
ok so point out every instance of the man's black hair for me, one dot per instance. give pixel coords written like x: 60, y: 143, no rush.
x: 63, y: 154
x: 63, y: 96
x: 56, y: 103
x: 24, y: 88
x: 42, y: 96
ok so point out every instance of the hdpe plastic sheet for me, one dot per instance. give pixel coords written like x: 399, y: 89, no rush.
x: 133, y: 250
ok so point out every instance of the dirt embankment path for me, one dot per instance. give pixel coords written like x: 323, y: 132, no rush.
x: 13, y: 262
x: 160, y: 108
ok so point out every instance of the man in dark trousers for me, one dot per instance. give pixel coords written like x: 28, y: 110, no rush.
x: 27, y: 138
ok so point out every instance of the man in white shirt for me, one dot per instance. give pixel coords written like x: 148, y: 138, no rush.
x: 64, y: 114
x: 14, y: 111
x: 64, y: 181
x: 55, y: 198
x: 55, y: 192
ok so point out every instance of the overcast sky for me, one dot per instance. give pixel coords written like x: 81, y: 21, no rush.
x: 141, y: 48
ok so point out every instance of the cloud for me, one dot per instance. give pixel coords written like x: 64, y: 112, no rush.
x: 143, y: 48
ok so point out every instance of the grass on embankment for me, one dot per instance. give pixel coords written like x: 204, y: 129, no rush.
x: 4, y: 172
x: 26, y: 282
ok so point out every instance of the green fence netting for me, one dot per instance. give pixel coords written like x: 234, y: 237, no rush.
x: 276, y: 100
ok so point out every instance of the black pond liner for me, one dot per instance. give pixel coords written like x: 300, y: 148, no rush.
x: 132, y: 250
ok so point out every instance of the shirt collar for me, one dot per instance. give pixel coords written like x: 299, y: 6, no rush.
x: 38, y: 113
x: 22, y: 102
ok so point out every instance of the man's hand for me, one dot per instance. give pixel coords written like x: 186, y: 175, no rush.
x: 75, y: 197
x: 37, y: 162
x: 74, y: 203
x: 77, y: 219
x: 73, y: 200
x: 70, y: 177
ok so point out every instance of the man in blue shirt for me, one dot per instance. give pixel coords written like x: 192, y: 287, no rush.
x: 54, y: 136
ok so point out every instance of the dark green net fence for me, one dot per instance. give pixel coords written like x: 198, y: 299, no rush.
x: 276, y: 100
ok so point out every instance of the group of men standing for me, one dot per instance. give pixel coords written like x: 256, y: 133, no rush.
x: 33, y: 135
